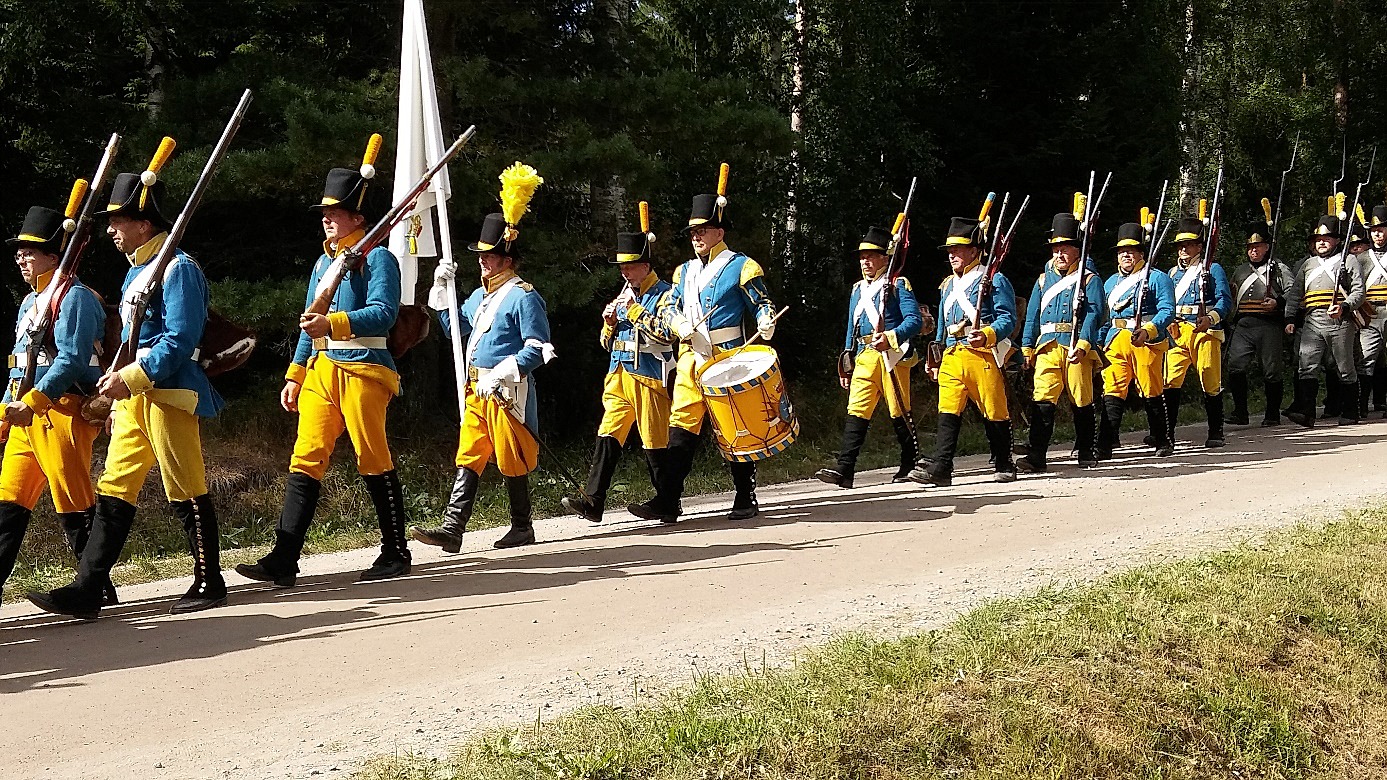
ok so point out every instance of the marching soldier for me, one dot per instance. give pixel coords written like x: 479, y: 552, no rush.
x: 506, y: 326
x: 1197, y: 337
x: 158, y: 397
x: 710, y: 297
x: 49, y: 441
x: 633, y: 393
x: 342, y: 378
x: 1135, y: 342
x: 1372, y: 259
x: 1259, y: 287
x: 883, y: 317
x: 970, y: 365
x: 1324, y: 292
x: 1063, y: 360
x: 1334, y: 402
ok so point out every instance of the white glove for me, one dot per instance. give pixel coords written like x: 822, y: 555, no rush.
x: 765, y: 326
x: 489, y: 386
x: 681, y: 327
x: 444, y: 273
x: 700, y: 343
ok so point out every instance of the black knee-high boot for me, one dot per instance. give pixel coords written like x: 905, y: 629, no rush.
x: 999, y: 444
x: 1348, y: 403
x: 1172, y: 397
x: 281, y: 565
x: 204, y: 542
x: 1111, y: 409
x: 1237, y: 387
x: 910, y: 447
x: 77, y: 528
x: 674, y: 463
x: 110, y: 528
x: 590, y: 506
x: 461, y: 500
x: 854, y: 436
x: 1086, y: 435
x: 522, y: 527
x: 939, y: 470
x: 1273, y: 391
x: 1302, y: 409
x: 744, y: 505
x: 1365, y: 395
x: 14, y: 522
x: 1042, y: 429
x: 1213, y: 410
x: 388, y: 497
x: 1156, y: 414
x: 1380, y: 391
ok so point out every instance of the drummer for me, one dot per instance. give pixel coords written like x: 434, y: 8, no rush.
x: 707, y: 308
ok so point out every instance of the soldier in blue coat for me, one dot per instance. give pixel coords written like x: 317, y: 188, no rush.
x: 634, y: 393
x: 1135, y: 341
x: 711, y: 298
x: 50, y: 444
x: 506, y: 325
x: 1201, y: 309
x: 159, y: 398
x: 883, y: 316
x: 1064, y: 361
x: 342, y: 379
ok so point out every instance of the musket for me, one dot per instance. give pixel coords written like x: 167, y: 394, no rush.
x: 1351, y: 215
x: 1001, y: 245
x: 355, y: 256
x: 139, y: 301
x: 899, y: 249
x: 1211, y: 218
x: 81, y: 204
x: 1092, y: 208
x: 1148, y: 224
x: 1276, y: 220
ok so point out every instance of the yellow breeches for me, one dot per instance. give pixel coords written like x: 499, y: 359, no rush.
x: 687, y: 409
x: 1129, y: 363
x: 145, y: 432
x: 1054, y: 375
x: 334, y: 400
x: 966, y: 373
x: 488, y: 429
x: 629, y: 399
x: 55, y: 450
x: 870, y: 383
x: 1203, y: 351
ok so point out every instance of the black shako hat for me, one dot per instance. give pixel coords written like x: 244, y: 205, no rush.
x: 632, y: 248
x: 1258, y: 232
x: 1064, y: 229
x: 706, y: 212
x: 1328, y: 225
x: 43, y: 229
x: 131, y: 197
x: 493, y: 238
x: 876, y: 240
x: 963, y: 231
x: 1189, y: 229
x: 1131, y: 235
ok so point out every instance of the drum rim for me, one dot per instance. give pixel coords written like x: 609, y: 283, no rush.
x: 741, y: 386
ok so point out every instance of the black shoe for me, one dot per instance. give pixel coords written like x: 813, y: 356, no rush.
x: 260, y: 572
x: 456, y: 513
x: 1165, y: 452
x: 743, y: 513
x: 67, y: 600
x: 651, y: 510
x: 1236, y: 418
x: 1300, y: 418
x: 517, y: 536
x: 833, y: 477
x: 1271, y: 422
x: 385, y: 567
x: 200, y: 596
x: 1004, y: 476
x: 1030, y: 465
x: 582, y: 507
x: 1212, y: 443
x: 744, y: 505
x: 1148, y: 440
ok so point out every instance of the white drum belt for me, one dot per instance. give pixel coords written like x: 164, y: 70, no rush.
x: 21, y: 360
x: 622, y: 345
x: 144, y: 352
x: 1056, y: 327
x: 364, y: 342
x: 723, y: 335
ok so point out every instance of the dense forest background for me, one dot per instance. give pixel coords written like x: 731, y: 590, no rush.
x: 823, y: 108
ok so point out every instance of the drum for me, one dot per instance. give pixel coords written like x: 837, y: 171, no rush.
x: 753, y: 418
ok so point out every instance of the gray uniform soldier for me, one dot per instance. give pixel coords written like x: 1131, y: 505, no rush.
x: 1259, y: 326
x: 1326, y: 328
x: 1373, y: 261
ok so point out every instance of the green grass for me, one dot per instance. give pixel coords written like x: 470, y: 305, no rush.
x: 1268, y: 661
x: 247, y: 452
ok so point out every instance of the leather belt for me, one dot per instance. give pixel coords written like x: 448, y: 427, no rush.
x: 364, y: 342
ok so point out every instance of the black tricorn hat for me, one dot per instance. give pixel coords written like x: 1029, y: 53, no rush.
x: 1064, y: 229
x: 1131, y: 235
x: 131, y: 197
x: 1329, y: 225
x: 876, y: 240
x: 493, y: 238
x: 1189, y: 229
x: 962, y: 232
x: 44, y: 229
x: 1378, y: 217
x: 1259, y: 232
x: 345, y: 188
x: 1357, y: 233
x: 707, y: 213
x: 632, y: 248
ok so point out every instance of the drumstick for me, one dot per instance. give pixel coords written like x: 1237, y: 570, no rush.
x: 757, y: 336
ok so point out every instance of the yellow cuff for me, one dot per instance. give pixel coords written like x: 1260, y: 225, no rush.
x: 296, y: 373
x: 37, y: 401
x: 339, y: 327
x: 990, y: 336
x: 635, y: 312
x: 135, y: 378
x: 1151, y: 330
x: 1028, y: 351
x: 1084, y: 346
x: 1213, y: 316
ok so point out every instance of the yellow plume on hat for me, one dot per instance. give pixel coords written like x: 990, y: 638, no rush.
x: 74, y: 201
x: 1339, y: 206
x: 1080, y: 205
x: 1362, y: 217
x: 1204, y: 210
x: 518, y: 185
x: 1266, y: 209
x: 1147, y: 220
x: 368, y: 160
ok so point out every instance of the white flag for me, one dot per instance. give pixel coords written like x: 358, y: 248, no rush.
x: 418, y: 146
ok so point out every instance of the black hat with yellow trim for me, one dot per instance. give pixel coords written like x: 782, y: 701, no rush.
x: 963, y: 232
x: 1329, y: 225
x: 139, y: 195
x: 43, y: 229
x: 876, y: 240
x: 1189, y: 229
x: 1378, y: 217
x: 1064, y: 229
x: 1258, y: 232
x: 710, y: 209
x: 346, y: 187
x: 635, y: 247
x: 499, y: 234
x: 1131, y: 235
